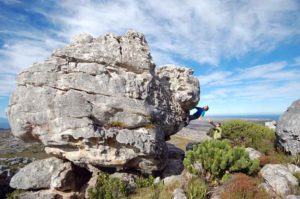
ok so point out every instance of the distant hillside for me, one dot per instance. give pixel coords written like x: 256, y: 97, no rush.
x: 4, y: 123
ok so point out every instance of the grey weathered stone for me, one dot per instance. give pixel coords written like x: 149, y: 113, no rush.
x: 253, y: 154
x: 172, y: 179
x: 288, y: 129
x: 8, y: 168
x: 100, y: 101
x: 44, y: 174
x: 157, y: 180
x: 293, y: 168
x: 179, y: 194
x: 278, y: 179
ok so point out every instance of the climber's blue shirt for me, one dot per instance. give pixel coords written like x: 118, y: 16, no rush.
x: 200, y: 112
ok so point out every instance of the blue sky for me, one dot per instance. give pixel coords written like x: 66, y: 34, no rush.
x: 246, y: 54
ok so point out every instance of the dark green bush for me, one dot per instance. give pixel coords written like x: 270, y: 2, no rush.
x: 218, y: 157
x: 108, y: 188
x: 249, y: 134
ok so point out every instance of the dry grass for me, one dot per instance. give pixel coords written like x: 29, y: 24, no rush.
x: 36, y: 151
x: 180, y: 141
x: 242, y: 186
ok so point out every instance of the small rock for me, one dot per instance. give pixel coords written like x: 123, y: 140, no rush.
x: 253, y: 154
x: 190, y: 146
x: 179, y: 194
x: 156, y: 180
x: 172, y: 179
x: 271, y: 125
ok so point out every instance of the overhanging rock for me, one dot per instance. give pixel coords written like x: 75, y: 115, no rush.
x: 100, y: 101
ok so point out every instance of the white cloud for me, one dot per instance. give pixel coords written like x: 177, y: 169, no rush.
x: 7, y: 84
x: 202, y: 31
x: 297, y: 61
x: 271, y: 72
x: 205, y: 31
x: 214, y: 77
x: 276, y: 80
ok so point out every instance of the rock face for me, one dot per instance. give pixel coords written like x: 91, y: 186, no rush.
x: 100, y: 101
x: 279, y: 179
x: 288, y: 129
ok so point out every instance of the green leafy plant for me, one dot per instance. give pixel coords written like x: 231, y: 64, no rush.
x: 218, y: 157
x: 142, y: 182
x: 249, y: 134
x: 15, y: 194
x: 296, y: 159
x: 108, y: 188
x: 196, y: 189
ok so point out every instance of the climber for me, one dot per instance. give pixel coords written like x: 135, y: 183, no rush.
x: 217, y: 130
x: 199, y: 114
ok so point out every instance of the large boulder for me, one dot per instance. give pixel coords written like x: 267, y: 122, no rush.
x: 288, y: 129
x: 100, y: 101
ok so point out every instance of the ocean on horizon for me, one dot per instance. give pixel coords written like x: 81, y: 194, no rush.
x: 267, y: 117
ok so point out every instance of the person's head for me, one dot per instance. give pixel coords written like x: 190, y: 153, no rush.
x: 206, y: 108
x: 218, y: 124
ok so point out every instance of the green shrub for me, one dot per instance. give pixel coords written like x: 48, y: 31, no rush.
x: 15, y: 194
x: 218, y: 157
x: 249, y: 134
x: 296, y: 159
x: 196, y: 189
x: 142, y: 182
x: 108, y: 188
